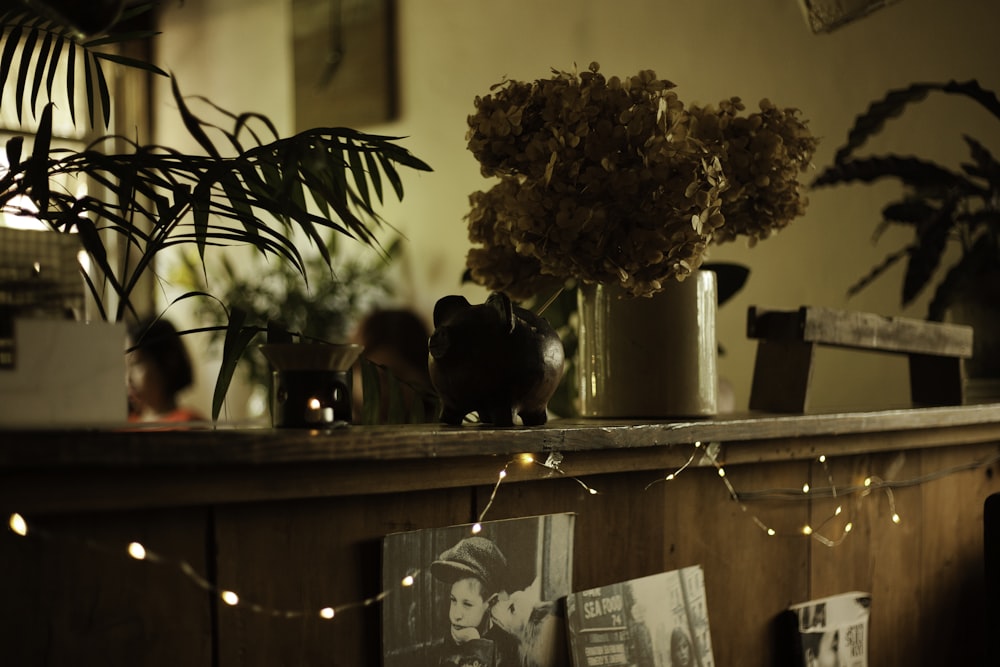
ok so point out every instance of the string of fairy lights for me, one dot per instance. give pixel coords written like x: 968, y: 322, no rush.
x: 708, y: 454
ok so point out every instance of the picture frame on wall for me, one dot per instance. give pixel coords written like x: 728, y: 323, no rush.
x: 490, y: 596
x: 344, y: 56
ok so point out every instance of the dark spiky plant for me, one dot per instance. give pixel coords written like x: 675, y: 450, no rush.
x: 941, y: 205
x: 249, y: 187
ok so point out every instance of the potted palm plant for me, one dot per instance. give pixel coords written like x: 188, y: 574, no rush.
x: 249, y: 186
x: 946, y: 209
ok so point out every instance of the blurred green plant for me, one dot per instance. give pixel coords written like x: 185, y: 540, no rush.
x: 273, y: 294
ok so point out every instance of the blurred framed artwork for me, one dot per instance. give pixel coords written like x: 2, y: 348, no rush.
x: 344, y: 54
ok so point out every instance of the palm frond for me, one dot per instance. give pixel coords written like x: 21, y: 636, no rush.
x: 887, y: 263
x: 911, y: 171
x: 44, y: 46
x: 926, y: 253
x: 238, y: 338
x: 895, y: 102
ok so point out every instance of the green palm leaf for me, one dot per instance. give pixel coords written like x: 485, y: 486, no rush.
x: 895, y: 101
x: 40, y: 65
x: 47, y: 45
x: 11, y: 41
x: 22, y: 71
x: 238, y: 338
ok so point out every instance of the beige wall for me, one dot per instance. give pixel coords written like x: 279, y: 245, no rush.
x: 237, y: 52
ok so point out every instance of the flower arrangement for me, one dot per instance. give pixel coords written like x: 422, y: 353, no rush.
x: 616, y: 181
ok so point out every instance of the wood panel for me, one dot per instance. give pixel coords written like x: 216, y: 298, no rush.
x: 749, y: 576
x: 877, y: 555
x: 952, y: 600
x: 304, y: 556
x: 70, y: 594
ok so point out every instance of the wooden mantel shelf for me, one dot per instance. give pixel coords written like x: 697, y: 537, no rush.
x: 44, y: 469
x: 748, y: 437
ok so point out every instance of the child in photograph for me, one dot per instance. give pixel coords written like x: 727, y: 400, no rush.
x: 476, y: 570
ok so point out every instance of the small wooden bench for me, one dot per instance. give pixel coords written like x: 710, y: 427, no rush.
x: 787, y: 341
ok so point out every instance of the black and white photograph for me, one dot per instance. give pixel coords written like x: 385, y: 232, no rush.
x: 482, y: 595
x: 655, y: 621
x: 833, y: 631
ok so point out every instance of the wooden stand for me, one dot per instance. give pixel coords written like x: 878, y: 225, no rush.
x: 787, y: 340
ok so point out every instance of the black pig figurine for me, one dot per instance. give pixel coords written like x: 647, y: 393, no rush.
x: 494, y: 358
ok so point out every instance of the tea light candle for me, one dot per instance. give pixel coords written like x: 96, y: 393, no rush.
x: 317, y: 414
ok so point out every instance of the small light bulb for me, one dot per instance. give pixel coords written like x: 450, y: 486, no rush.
x: 807, y: 530
x: 593, y: 492
x: 697, y: 444
x: 230, y: 598
x: 314, y: 403
x: 822, y: 458
x: 327, y: 613
x: 839, y: 510
x: 805, y: 488
x: 18, y: 524
x: 476, y: 528
x: 527, y: 458
x: 868, y: 482
x: 670, y: 477
x: 503, y: 473
x: 770, y: 532
x: 895, y: 518
x: 137, y: 551
x: 722, y: 472
x: 848, y: 527
x: 407, y: 580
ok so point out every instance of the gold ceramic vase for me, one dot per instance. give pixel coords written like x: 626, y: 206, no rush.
x: 649, y: 357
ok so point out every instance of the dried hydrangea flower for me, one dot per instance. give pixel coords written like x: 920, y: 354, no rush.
x: 615, y: 181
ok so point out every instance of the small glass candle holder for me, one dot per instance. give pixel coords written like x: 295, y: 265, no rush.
x: 310, y: 383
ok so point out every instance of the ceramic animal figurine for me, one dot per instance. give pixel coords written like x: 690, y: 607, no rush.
x: 494, y: 358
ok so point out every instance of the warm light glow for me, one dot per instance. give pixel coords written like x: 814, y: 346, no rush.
x: 327, y: 613
x: 807, y: 530
x: 848, y: 527
x: 770, y: 532
x: 314, y: 403
x: 822, y: 458
x: 805, y: 488
x: 18, y: 524
x: 868, y: 482
x: 722, y: 472
x: 670, y: 477
x: 593, y: 492
x: 697, y: 444
x: 839, y: 510
x: 526, y: 458
x: 137, y: 551
x: 230, y: 598
x: 84, y: 259
x: 895, y: 518
x: 476, y: 528
x: 503, y: 473
x: 407, y: 580
x: 13, y: 221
